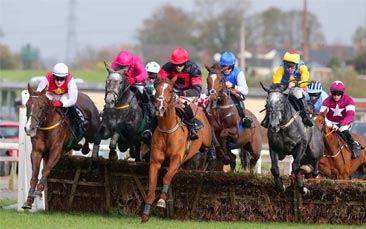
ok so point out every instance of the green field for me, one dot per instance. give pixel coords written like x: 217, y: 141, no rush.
x: 20, y: 75
x: 15, y: 219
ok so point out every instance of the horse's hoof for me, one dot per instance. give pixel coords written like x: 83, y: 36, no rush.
x: 27, y: 205
x: 161, y: 203
x: 144, y: 218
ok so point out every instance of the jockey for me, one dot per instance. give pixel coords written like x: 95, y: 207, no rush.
x: 152, y: 69
x: 295, y: 74
x: 316, y: 95
x: 236, y: 85
x: 340, y: 109
x: 62, y: 90
x: 189, y: 83
x: 136, y: 75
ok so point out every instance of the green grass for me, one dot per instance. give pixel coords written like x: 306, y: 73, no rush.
x: 43, y: 219
x: 26, y: 75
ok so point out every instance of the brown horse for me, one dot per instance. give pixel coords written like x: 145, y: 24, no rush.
x: 337, y: 162
x: 51, y: 135
x: 224, y: 118
x: 170, y: 141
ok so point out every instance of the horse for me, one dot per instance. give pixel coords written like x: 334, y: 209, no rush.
x: 337, y: 162
x: 170, y: 141
x: 122, y: 119
x: 223, y: 116
x: 287, y: 135
x: 52, y: 135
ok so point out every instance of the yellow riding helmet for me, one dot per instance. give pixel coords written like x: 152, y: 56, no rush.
x: 291, y: 56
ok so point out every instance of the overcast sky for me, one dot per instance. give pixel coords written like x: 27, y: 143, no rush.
x: 43, y: 23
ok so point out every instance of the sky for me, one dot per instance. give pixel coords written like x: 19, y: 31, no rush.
x: 112, y: 23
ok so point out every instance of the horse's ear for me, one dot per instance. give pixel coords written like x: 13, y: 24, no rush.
x: 207, y: 68
x: 264, y: 88
x: 45, y: 89
x: 30, y: 89
x: 109, y: 69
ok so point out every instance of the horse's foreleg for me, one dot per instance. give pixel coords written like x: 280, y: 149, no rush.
x: 112, y: 146
x: 153, y: 179
x: 36, y: 158
x: 296, y: 164
x: 276, y: 171
x: 175, y: 162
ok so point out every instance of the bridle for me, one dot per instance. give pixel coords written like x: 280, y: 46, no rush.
x: 40, y: 121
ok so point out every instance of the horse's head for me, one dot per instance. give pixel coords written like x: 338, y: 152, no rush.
x: 38, y: 107
x: 164, y: 96
x: 116, y: 85
x: 276, y: 106
x: 319, y: 120
x: 215, y: 84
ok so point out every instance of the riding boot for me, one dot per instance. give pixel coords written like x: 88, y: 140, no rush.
x: 191, y: 122
x: 303, y: 112
x: 352, y: 144
x: 81, y: 122
x: 246, y: 121
x: 265, y: 121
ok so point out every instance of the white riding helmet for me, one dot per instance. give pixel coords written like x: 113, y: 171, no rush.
x: 60, y: 70
x: 152, y: 67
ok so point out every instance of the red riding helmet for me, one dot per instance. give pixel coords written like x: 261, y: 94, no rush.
x: 179, y: 56
x: 337, y: 86
x: 124, y: 58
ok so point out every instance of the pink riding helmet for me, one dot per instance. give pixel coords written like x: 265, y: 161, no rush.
x: 124, y: 58
x: 337, y: 86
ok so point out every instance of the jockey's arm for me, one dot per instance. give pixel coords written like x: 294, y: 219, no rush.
x: 140, y: 72
x: 43, y: 84
x: 277, y: 77
x: 70, y: 99
x: 242, y: 83
x: 305, y: 76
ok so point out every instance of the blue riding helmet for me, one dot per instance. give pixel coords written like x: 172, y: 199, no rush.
x: 227, y: 59
x: 315, y: 87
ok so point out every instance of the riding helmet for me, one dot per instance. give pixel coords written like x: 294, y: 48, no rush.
x: 337, y: 86
x: 227, y: 59
x: 60, y: 70
x: 124, y: 58
x: 179, y: 56
x: 152, y: 67
x: 315, y: 87
x: 291, y: 56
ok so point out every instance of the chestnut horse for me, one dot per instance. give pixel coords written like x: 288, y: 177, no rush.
x: 170, y: 141
x: 224, y: 118
x: 51, y: 135
x: 337, y: 162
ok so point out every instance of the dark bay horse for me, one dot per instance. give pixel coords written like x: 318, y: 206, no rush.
x: 170, y: 141
x: 224, y: 118
x: 122, y: 119
x: 287, y: 135
x: 51, y: 135
x: 337, y: 162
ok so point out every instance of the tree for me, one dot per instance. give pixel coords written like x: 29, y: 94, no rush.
x: 167, y: 28
x: 29, y: 56
x: 359, y: 39
x: 7, y: 59
x: 274, y: 28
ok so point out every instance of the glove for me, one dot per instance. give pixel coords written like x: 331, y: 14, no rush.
x: 291, y: 84
x: 131, y: 80
x: 335, y: 127
x: 56, y: 103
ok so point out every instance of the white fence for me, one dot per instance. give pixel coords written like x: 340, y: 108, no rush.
x: 25, y: 167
